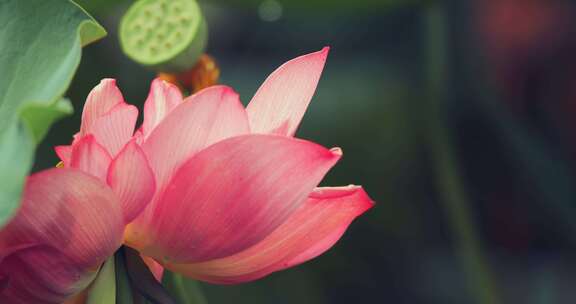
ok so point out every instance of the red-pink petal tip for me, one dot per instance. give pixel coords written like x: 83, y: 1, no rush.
x: 337, y: 151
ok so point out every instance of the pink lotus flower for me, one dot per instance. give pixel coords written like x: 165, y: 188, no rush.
x: 237, y: 196
x: 231, y: 195
x: 71, y: 220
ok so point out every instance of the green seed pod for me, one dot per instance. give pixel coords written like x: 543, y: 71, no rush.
x: 165, y: 35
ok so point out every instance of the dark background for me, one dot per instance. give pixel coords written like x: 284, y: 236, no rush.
x: 458, y: 118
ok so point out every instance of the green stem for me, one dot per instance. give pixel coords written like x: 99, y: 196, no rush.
x: 448, y: 177
x: 103, y: 289
x: 186, y: 290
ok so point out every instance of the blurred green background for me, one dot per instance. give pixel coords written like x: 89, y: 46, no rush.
x: 456, y: 116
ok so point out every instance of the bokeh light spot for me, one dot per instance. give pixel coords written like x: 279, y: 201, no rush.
x: 270, y: 10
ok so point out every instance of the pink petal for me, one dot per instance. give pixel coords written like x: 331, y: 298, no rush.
x: 279, y: 104
x: 138, y: 137
x: 230, y: 196
x: 64, y: 153
x: 132, y: 179
x: 90, y: 157
x: 41, y: 274
x: 116, y: 128
x: 100, y: 101
x: 156, y: 269
x: 211, y: 115
x: 73, y: 221
x: 69, y: 210
x: 108, y: 117
x: 163, y: 98
x: 309, y: 232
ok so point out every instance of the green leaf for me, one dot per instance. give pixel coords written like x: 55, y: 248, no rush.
x: 40, y: 49
x: 16, y: 156
x: 39, y: 119
x: 186, y: 291
x: 103, y: 289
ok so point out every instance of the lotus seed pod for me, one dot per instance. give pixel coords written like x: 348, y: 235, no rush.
x: 165, y: 35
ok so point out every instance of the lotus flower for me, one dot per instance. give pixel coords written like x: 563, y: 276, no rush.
x: 229, y: 195
x: 237, y: 197
x: 71, y: 220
